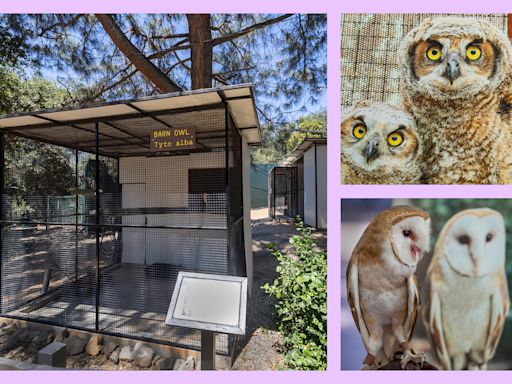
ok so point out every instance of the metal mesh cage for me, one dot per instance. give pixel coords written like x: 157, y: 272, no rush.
x: 283, y: 193
x: 369, y: 60
x: 100, y: 247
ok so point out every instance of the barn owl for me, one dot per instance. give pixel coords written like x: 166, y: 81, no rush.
x: 455, y: 81
x: 468, y: 296
x: 381, y: 284
x: 379, y: 145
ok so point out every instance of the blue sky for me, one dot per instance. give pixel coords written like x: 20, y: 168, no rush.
x: 273, y: 49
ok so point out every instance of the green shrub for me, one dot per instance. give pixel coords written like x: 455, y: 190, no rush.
x: 301, y: 292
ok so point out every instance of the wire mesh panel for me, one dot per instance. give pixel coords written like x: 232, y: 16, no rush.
x: 47, y: 255
x: 101, y: 245
x: 284, y: 193
x: 48, y: 272
x: 369, y: 59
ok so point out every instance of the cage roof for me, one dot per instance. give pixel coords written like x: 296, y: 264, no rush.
x: 124, y: 124
x: 301, y: 149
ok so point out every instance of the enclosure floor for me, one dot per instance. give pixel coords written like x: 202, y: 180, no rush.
x: 134, y: 301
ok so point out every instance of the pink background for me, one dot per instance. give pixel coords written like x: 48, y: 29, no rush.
x: 333, y: 8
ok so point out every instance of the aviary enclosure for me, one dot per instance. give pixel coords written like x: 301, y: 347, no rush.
x: 294, y: 186
x: 105, y: 256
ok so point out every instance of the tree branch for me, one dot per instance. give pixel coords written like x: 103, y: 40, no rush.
x: 175, y: 36
x: 111, y: 86
x: 175, y: 47
x: 61, y: 23
x: 141, y: 62
x: 245, y: 31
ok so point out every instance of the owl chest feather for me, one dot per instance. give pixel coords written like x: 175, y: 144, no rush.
x: 383, y: 287
x: 464, y: 142
x: 352, y: 174
x: 471, y: 297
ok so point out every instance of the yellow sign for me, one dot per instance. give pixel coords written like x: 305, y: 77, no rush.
x: 173, y: 139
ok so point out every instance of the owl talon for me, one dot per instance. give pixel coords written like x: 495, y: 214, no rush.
x: 369, y: 363
x: 410, y: 355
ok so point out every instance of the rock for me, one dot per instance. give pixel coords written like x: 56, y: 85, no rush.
x: 179, y: 365
x: 61, y: 334
x: 143, y: 355
x: 39, y: 338
x: 114, y: 356
x: 3, y: 339
x: 155, y: 359
x: 75, y: 345
x: 8, y: 329
x: 190, y: 363
x: 164, y: 364
x: 126, y: 354
x: 26, y: 336
x: 102, y: 359
x: 108, y: 348
x: 50, y: 338
x: 184, y: 365
x: 12, y: 340
x: 93, y: 347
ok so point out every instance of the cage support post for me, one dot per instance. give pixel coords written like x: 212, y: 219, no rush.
x: 76, y: 214
x: 274, y: 193
x: 97, y: 185
x: 2, y: 170
x: 47, y: 212
x: 228, y: 195
x: 316, y: 192
x: 296, y: 190
x: 207, y: 351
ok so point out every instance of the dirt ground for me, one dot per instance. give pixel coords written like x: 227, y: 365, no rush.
x: 263, y: 346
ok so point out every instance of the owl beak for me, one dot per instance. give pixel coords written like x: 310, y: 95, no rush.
x: 416, y: 252
x: 474, y: 260
x: 452, y: 69
x: 371, y: 152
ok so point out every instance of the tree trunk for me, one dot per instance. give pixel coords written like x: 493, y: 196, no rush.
x: 200, y: 34
x: 141, y: 62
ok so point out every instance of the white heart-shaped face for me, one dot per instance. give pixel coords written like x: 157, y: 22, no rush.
x: 475, y: 245
x: 411, y: 239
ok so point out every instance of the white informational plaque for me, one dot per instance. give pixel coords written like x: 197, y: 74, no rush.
x: 209, y: 302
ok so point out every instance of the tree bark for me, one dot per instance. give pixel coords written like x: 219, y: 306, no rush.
x: 141, y: 62
x: 201, y: 50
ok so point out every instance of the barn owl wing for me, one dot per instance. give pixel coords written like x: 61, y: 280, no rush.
x: 500, y: 306
x: 434, y: 322
x: 353, y: 299
x: 413, y: 305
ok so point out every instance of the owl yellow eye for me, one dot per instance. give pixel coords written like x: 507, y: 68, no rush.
x: 434, y: 53
x: 359, y: 131
x: 473, y: 52
x: 395, y: 139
